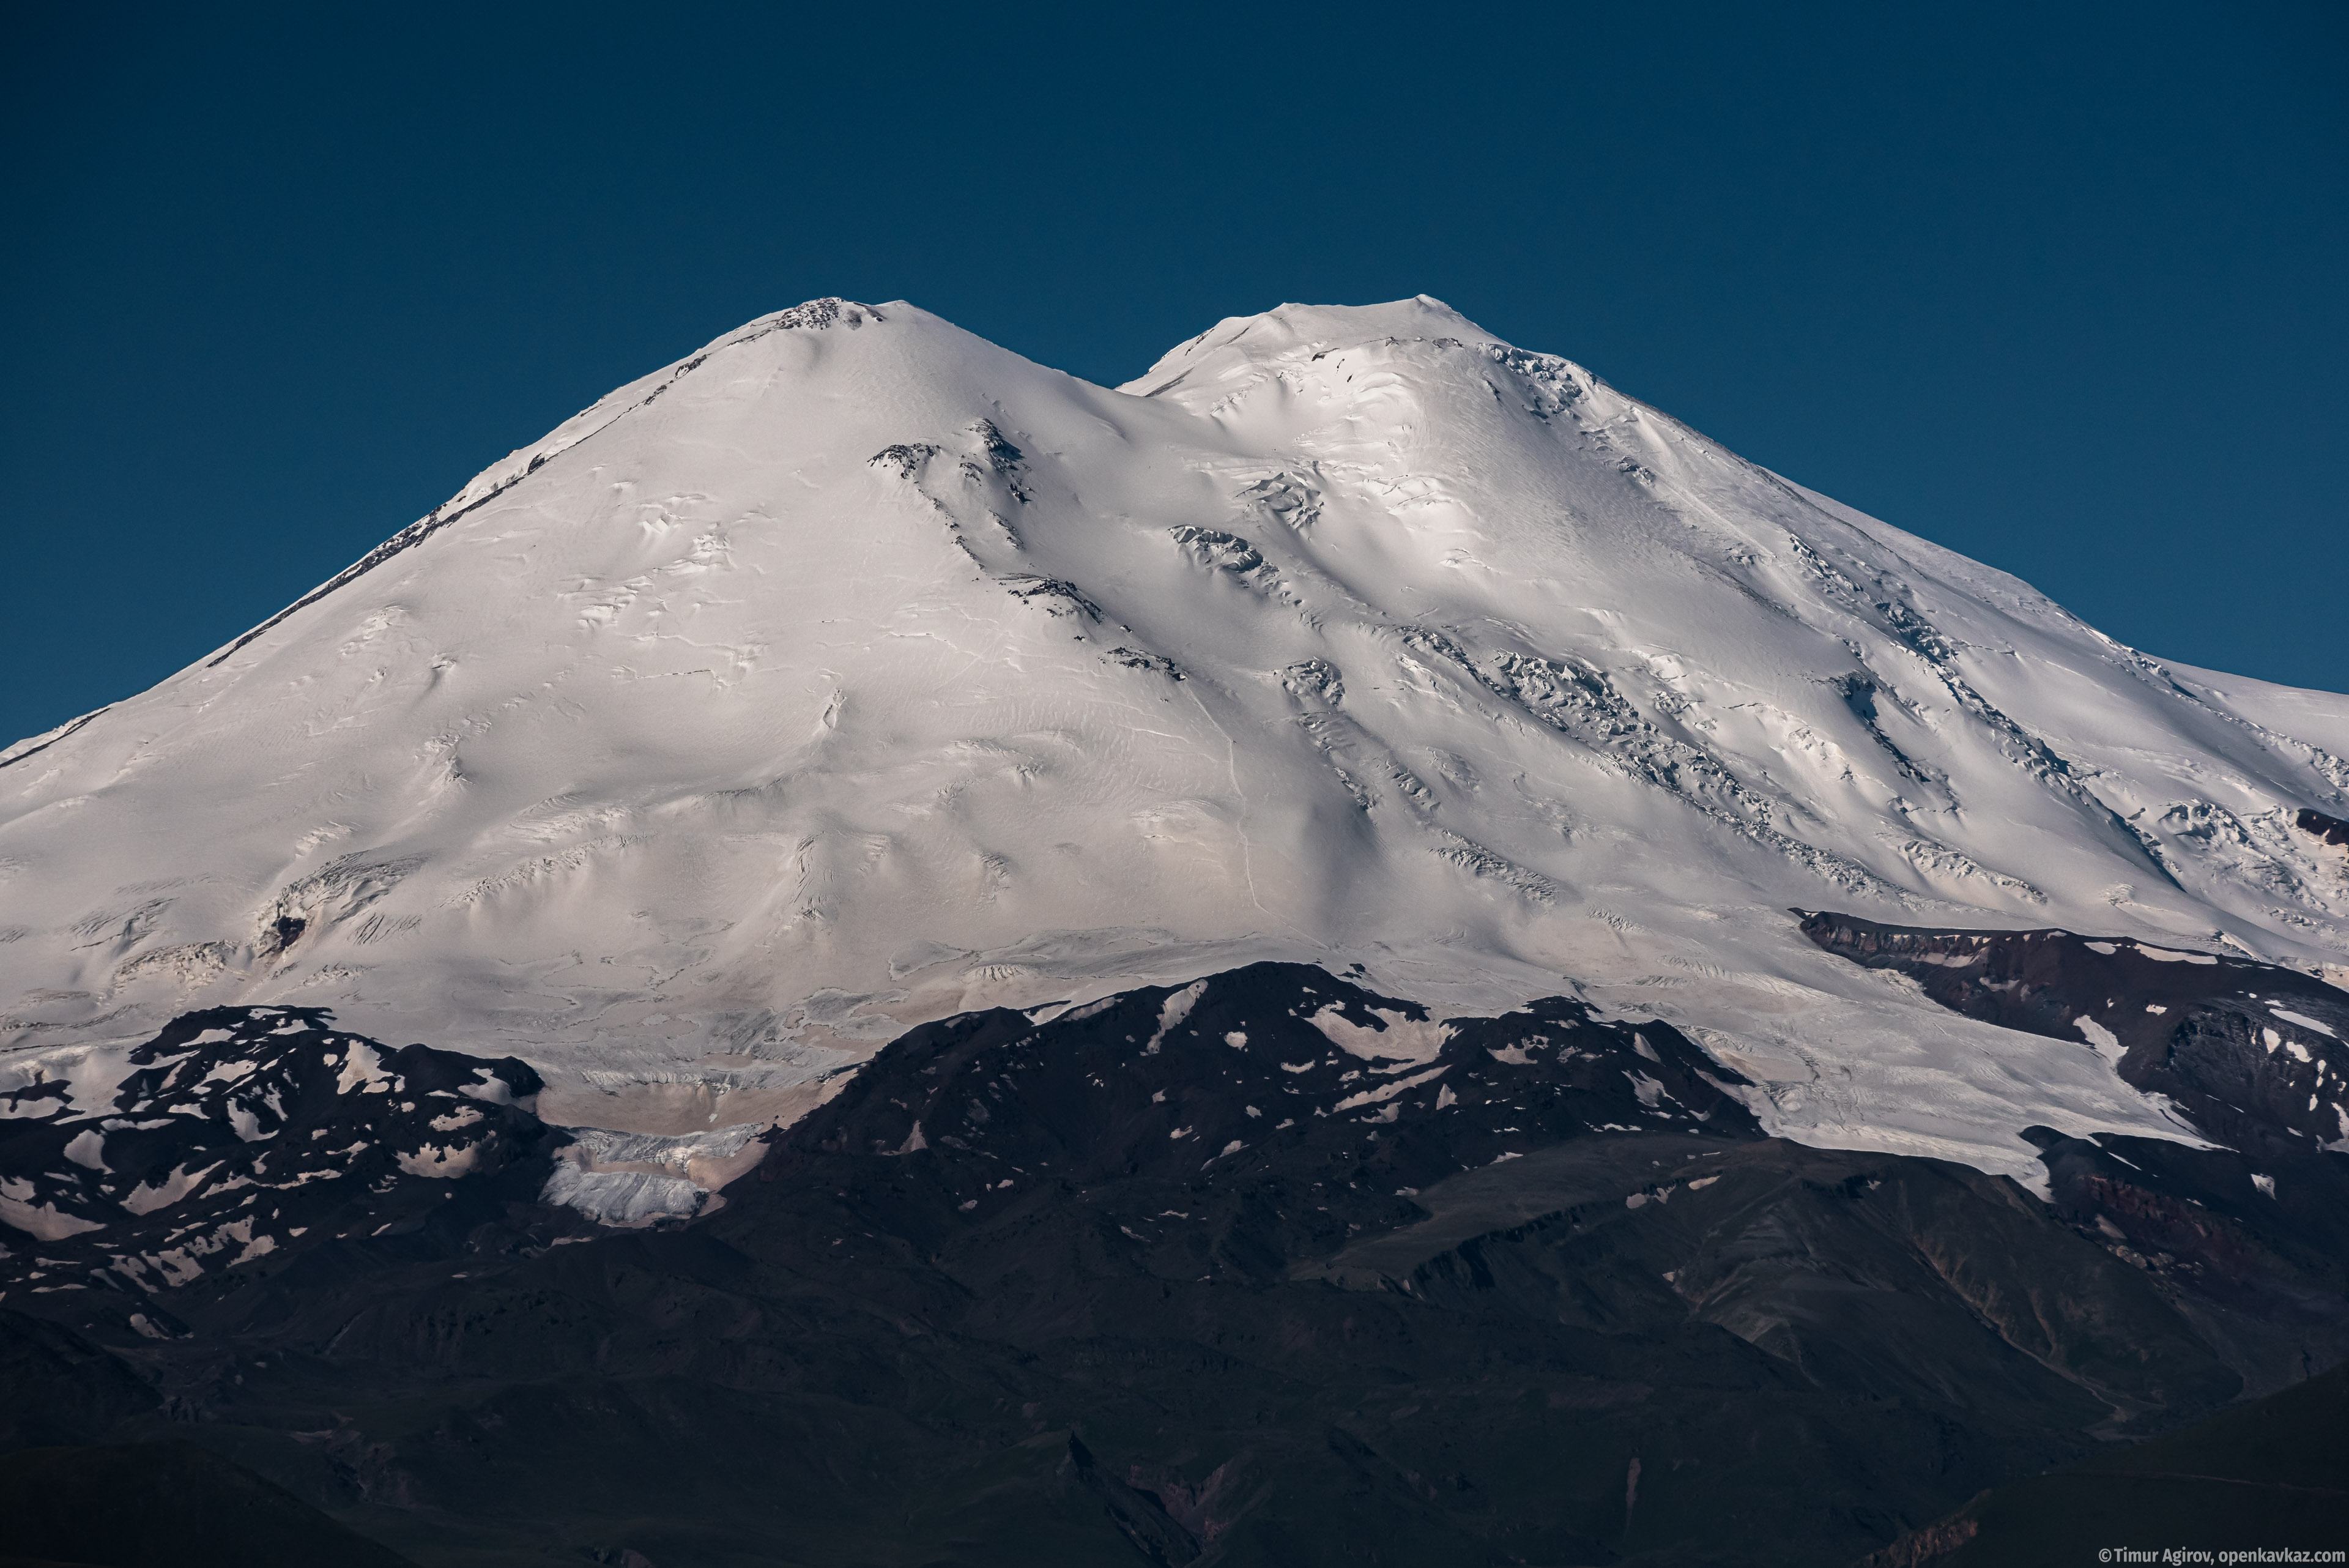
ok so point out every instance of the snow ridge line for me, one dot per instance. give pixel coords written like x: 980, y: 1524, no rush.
x: 816, y: 314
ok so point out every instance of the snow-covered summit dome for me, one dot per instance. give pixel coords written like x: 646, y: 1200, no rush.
x: 1293, y: 331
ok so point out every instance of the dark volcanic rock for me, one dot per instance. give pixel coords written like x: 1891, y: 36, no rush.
x: 2251, y: 1238
x: 2256, y: 1252
x: 62, y: 1390
x: 2327, y: 830
x: 2273, y: 1474
x: 166, y: 1505
x: 248, y: 1134
x: 1270, y: 1067
x: 1264, y: 1270
x: 2253, y: 1054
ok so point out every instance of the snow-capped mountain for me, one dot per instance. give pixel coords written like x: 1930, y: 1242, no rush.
x: 854, y: 672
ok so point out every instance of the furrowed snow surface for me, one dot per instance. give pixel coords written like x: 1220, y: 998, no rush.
x: 856, y: 671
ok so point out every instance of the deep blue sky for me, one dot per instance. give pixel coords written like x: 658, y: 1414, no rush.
x: 2061, y: 287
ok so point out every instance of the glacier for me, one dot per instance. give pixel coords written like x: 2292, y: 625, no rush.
x: 852, y: 672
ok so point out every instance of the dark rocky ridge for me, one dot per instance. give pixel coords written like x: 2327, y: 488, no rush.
x: 2257, y: 1260
x: 243, y: 1135
x: 1531, y: 1289
x: 2330, y: 830
x: 2253, y: 1054
x: 1240, y: 1075
x: 2252, y: 1238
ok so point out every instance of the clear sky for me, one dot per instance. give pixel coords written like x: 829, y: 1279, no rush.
x: 2059, y: 286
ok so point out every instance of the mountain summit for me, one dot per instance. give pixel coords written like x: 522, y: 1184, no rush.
x: 854, y: 672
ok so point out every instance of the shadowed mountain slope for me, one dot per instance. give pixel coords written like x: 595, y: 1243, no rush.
x: 1268, y: 1268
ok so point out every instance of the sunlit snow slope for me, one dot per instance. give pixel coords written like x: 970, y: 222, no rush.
x: 856, y: 670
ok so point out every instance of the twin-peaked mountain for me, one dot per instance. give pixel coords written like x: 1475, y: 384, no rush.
x: 854, y: 672
x: 1218, y: 972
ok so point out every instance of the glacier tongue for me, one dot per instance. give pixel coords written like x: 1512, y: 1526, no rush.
x: 854, y: 670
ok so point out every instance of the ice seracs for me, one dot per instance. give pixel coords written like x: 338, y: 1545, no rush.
x: 853, y: 671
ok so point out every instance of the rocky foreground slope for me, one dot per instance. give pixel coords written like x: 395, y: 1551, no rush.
x: 1263, y: 1269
